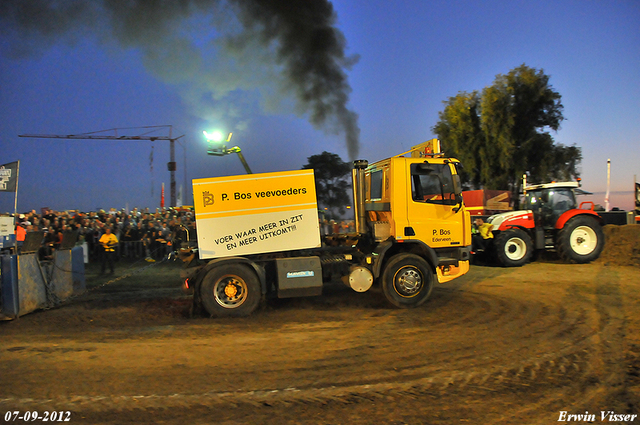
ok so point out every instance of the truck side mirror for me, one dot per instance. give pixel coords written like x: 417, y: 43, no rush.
x: 457, y: 185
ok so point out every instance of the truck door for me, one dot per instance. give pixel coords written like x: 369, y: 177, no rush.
x: 432, y: 208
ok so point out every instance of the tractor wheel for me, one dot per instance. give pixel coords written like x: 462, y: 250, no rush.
x: 407, y: 280
x: 513, y: 248
x: 230, y: 290
x: 580, y: 240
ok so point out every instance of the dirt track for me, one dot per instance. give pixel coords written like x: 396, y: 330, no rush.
x: 499, y: 346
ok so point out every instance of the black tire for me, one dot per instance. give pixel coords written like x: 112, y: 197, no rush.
x: 513, y: 248
x: 580, y: 240
x: 230, y: 290
x: 407, y: 280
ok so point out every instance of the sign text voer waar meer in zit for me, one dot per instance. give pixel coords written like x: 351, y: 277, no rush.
x: 255, y: 213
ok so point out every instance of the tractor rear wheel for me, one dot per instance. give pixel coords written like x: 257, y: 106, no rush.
x: 513, y: 248
x: 580, y: 240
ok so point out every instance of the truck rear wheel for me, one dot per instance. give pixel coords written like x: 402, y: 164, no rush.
x: 230, y: 290
x: 513, y: 248
x: 407, y: 280
x: 580, y: 240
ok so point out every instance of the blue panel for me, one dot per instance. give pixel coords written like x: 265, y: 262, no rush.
x: 61, y: 284
x: 25, y: 284
x: 7, y: 241
x: 77, y: 265
x: 31, y: 282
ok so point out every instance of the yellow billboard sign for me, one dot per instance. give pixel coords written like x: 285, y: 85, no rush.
x: 256, y: 213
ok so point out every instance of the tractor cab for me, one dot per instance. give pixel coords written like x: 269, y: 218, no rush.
x: 549, y: 201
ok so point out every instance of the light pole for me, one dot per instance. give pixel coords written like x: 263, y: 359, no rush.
x: 218, y: 147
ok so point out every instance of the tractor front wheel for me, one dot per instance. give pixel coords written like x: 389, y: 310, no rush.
x: 513, y: 248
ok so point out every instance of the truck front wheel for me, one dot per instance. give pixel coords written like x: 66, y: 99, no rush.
x: 407, y: 280
x: 230, y: 290
x: 580, y: 240
x: 513, y: 248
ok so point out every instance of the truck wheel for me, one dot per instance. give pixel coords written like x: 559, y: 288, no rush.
x: 407, y: 280
x: 580, y: 240
x: 230, y: 290
x: 513, y: 248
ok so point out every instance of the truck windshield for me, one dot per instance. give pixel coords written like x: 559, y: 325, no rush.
x: 432, y: 183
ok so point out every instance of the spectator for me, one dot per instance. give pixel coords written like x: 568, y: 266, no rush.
x: 125, y: 241
x: 137, y: 238
x: 108, y: 241
x: 152, y: 227
x: 149, y: 240
x: 482, y: 237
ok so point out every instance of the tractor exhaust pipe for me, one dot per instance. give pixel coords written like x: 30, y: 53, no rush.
x: 357, y: 176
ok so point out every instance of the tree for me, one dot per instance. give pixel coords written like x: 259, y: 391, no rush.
x: 501, y: 133
x: 331, y: 181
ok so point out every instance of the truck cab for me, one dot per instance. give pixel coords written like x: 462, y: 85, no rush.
x: 415, y: 201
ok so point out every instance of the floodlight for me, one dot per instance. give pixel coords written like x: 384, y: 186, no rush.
x: 215, y: 136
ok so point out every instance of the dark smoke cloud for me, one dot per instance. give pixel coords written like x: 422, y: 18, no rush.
x: 281, y: 49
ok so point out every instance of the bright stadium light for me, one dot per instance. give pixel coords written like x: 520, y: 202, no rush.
x: 218, y: 147
x: 217, y: 144
x: 215, y: 136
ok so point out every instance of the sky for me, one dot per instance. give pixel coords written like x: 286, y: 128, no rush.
x: 212, y: 68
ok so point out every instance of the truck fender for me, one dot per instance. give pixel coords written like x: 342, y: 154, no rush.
x: 423, y: 250
x: 567, y: 215
x: 260, y: 272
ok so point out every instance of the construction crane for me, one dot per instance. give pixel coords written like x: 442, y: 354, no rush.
x: 95, y: 135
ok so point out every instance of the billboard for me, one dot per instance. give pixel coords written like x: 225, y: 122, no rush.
x: 9, y: 177
x: 256, y: 213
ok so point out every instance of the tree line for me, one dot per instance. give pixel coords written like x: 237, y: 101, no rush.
x: 498, y: 133
x: 503, y: 132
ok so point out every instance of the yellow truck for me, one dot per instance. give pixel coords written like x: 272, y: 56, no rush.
x: 258, y: 235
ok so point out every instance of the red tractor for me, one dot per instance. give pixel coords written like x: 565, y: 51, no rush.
x: 551, y: 220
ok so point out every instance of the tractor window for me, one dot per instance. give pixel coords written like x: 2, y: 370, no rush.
x: 550, y: 203
x: 432, y: 183
x: 561, y: 200
x: 533, y: 201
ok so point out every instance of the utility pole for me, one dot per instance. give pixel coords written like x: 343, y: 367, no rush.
x: 95, y: 135
x: 606, y: 197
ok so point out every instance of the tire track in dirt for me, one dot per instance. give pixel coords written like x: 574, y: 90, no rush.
x: 467, y: 337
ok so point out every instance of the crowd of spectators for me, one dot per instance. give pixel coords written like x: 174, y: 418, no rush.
x: 140, y: 234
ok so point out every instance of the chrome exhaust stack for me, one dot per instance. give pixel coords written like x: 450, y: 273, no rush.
x: 359, y: 193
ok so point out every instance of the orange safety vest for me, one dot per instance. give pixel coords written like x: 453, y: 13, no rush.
x: 21, y: 233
